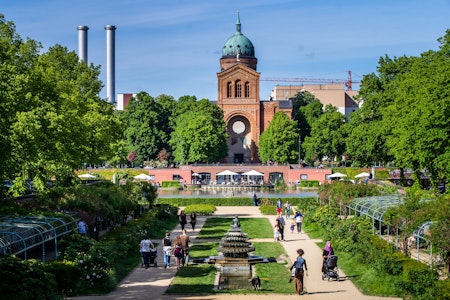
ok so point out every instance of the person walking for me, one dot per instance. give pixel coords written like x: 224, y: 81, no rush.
x: 255, y: 199
x: 276, y: 233
x: 82, y: 228
x: 182, y: 219
x: 279, y: 207
x: 193, y: 220
x: 167, y: 249
x: 299, y: 221
x: 281, y: 224
x: 300, y: 270
x: 145, y: 246
x: 177, y: 251
x: 293, y: 224
x: 184, y: 237
x: 327, y: 252
x: 287, y: 210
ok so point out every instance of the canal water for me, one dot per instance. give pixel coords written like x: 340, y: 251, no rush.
x: 223, y: 193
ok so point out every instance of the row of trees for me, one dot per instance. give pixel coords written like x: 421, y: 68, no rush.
x: 53, y: 120
x: 403, y: 117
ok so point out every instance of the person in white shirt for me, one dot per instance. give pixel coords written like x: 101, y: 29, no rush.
x: 146, y: 245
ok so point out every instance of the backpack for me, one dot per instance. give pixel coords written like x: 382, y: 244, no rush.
x: 167, y: 242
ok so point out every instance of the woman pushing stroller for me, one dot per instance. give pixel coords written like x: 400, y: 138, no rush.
x: 327, y: 252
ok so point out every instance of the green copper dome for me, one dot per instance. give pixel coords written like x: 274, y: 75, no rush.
x: 238, y: 43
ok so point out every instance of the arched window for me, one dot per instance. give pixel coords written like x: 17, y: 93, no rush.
x: 238, y: 89
x: 229, y: 90
x: 247, y: 89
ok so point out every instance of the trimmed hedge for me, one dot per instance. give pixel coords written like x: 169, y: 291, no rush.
x: 235, y: 201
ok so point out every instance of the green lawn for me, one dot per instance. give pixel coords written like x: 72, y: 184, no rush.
x: 199, y: 278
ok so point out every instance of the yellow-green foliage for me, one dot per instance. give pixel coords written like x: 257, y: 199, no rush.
x: 170, y: 184
x: 109, y: 173
x: 200, y: 209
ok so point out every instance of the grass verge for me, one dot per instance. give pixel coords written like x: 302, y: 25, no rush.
x: 367, y: 279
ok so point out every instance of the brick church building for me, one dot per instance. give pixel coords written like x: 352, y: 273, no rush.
x: 245, y: 114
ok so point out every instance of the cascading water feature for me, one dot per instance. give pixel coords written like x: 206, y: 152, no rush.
x: 235, y: 264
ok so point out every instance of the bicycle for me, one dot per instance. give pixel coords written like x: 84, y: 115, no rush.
x: 264, y: 201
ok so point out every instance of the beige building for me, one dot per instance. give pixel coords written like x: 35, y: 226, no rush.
x: 333, y: 94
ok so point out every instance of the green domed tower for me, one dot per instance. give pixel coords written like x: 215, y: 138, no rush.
x: 238, y: 49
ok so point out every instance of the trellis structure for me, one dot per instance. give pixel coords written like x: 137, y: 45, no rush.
x: 375, y: 207
x: 20, y: 235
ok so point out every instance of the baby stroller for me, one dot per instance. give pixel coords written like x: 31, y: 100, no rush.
x: 152, y: 257
x: 330, y: 269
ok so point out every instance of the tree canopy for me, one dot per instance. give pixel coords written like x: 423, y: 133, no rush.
x: 279, y: 142
x: 52, y: 117
x: 200, y: 132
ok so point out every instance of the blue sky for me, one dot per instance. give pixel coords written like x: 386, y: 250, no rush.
x: 173, y: 47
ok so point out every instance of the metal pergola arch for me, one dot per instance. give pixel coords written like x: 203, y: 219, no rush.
x: 374, y: 207
x: 20, y: 234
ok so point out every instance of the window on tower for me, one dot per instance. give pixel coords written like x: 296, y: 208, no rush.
x: 229, y: 90
x: 247, y: 90
x: 238, y: 89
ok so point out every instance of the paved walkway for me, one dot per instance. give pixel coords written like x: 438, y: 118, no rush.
x: 152, y: 283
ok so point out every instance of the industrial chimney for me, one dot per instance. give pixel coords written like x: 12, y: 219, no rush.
x: 82, y: 43
x: 110, y: 63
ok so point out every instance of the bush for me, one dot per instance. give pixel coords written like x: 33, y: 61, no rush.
x: 268, y: 209
x: 309, y: 183
x: 34, y: 280
x: 171, y: 184
x: 419, y: 281
x: 200, y: 209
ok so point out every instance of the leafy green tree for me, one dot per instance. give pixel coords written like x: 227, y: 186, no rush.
x: 367, y: 130
x: 200, y: 133
x: 279, y: 142
x: 64, y: 122
x: 301, y: 99
x: 147, y: 125
x: 16, y: 57
x: 328, y: 135
x: 420, y: 135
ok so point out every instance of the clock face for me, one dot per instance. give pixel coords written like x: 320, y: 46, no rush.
x: 238, y: 127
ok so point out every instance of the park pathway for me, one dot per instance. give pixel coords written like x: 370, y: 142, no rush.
x: 152, y: 283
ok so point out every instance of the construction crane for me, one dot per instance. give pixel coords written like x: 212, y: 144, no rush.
x: 348, y: 82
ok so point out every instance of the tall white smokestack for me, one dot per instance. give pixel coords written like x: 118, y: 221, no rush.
x: 110, y: 63
x: 82, y: 43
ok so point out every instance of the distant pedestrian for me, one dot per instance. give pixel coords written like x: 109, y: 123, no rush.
x: 279, y: 207
x: 182, y: 219
x: 327, y: 252
x: 193, y: 221
x: 299, y: 221
x: 300, y: 270
x: 287, y: 210
x: 293, y: 224
x: 276, y: 233
x: 281, y: 224
x: 255, y: 200
x: 145, y: 246
x: 177, y: 251
x: 82, y: 228
x: 167, y: 249
x: 185, y: 240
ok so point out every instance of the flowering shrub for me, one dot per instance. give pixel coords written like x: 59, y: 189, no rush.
x: 94, y: 265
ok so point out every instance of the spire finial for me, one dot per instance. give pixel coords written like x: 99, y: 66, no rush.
x: 238, y: 23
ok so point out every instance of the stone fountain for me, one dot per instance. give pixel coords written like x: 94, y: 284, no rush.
x: 235, y: 263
